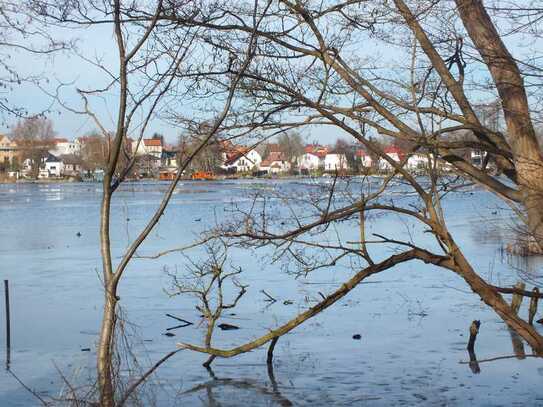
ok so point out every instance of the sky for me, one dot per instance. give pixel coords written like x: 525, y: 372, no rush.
x: 64, y: 72
x: 72, y: 72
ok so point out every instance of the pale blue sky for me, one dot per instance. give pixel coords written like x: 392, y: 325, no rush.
x: 98, y: 42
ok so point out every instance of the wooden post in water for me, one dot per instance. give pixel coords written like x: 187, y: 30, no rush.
x: 473, y: 331
x: 269, y: 358
x: 8, y: 328
x: 517, y: 298
x: 533, y: 305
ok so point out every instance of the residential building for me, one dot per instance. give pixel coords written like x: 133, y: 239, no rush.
x: 63, y: 146
x: 238, y: 158
x: 477, y: 157
x: 169, y: 157
x: 151, y: 146
x: 417, y: 161
x: 9, y: 154
x: 53, y: 166
x: 275, y: 163
x: 313, y: 158
x: 72, y: 165
x: 392, y: 152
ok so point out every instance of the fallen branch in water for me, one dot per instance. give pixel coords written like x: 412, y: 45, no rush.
x: 270, y: 298
x: 321, y: 306
x: 497, y: 358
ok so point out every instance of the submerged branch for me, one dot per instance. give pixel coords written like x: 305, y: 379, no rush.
x: 324, y: 304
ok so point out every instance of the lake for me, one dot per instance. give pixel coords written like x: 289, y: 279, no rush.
x: 413, y: 320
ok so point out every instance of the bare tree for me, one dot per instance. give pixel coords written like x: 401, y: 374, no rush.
x: 287, y: 65
x: 292, y: 146
x: 34, y: 138
x: 311, y: 73
x: 142, y: 38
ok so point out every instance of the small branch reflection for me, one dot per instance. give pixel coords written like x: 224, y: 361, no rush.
x: 245, y: 384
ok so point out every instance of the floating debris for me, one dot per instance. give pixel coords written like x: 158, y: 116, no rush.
x: 227, y: 327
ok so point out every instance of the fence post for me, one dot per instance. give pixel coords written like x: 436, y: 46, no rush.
x: 8, y: 328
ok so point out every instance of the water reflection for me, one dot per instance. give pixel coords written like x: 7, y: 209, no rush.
x: 261, y: 392
x: 518, y: 345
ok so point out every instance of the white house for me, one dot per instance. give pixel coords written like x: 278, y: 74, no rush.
x: 417, y: 161
x: 313, y: 158
x: 477, y: 157
x: 393, y: 152
x: 275, y: 163
x: 152, y: 146
x: 242, y: 159
x: 309, y: 161
x: 65, y: 147
x: 335, y: 161
x: 53, y: 166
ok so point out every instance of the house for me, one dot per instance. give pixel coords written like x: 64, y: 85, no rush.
x: 313, y: 158
x: 275, y: 163
x: 364, y: 158
x: 239, y: 158
x: 152, y: 146
x: 63, y: 146
x: 72, y: 165
x: 392, y: 152
x: 417, y: 161
x: 334, y: 161
x: 169, y: 157
x: 9, y: 153
x: 53, y: 166
x: 477, y: 157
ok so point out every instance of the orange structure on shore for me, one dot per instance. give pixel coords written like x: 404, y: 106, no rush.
x: 203, y: 175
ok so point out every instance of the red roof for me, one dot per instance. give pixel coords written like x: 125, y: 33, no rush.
x: 393, y: 150
x: 60, y: 140
x: 317, y: 150
x: 276, y: 156
x: 152, y: 142
x: 235, y: 153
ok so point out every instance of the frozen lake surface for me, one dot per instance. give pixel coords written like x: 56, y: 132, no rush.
x: 413, y: 319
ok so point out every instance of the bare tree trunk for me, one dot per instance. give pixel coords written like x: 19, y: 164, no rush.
x: 494, y: 299
x: 105, y: 353
x: 107, y: 330
x: 521, y: 135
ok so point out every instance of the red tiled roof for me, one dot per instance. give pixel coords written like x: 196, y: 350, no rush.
x: 57, y: 140
x: 392, y: 150
x: 316, y: 150
x: 152, y: 142
x: 276, y: 156
x: 231, y: 158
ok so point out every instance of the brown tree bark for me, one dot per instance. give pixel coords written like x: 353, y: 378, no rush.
x: 527, y: 154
